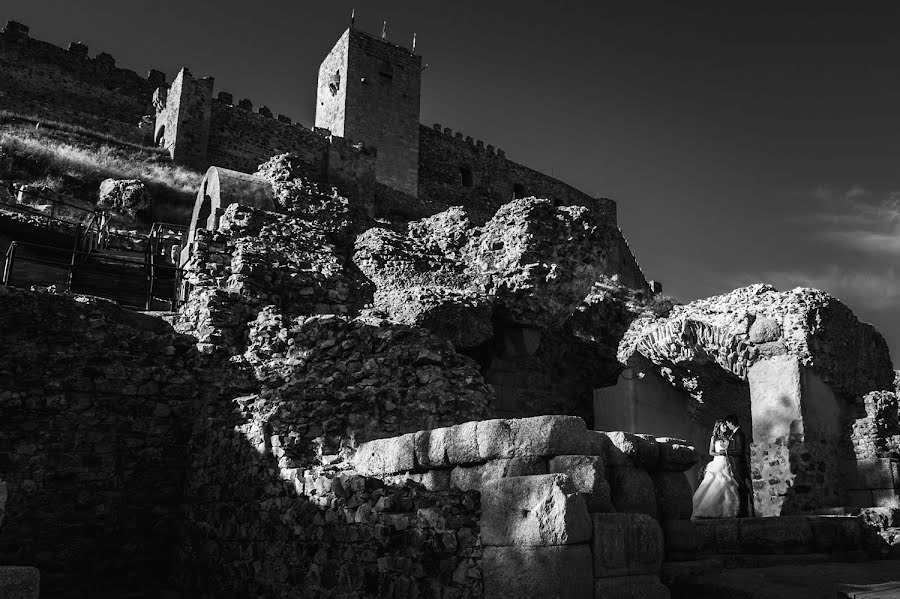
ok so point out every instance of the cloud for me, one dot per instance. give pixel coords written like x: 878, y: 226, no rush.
x: 870, y: 290
x: 857, y: 218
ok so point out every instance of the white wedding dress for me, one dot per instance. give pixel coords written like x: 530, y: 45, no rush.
x: 717, y: 496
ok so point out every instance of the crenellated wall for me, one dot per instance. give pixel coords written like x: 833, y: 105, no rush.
x: 461, y: 171
x: 41, y: 79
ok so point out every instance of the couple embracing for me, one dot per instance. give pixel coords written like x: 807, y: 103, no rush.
x: 725, y: 490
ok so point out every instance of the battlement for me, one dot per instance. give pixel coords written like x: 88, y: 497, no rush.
x: 468, y: 140
x: 105, y: 64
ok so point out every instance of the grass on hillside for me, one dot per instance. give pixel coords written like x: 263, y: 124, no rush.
x: 74, y: 164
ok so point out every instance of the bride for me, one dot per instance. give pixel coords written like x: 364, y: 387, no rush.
x: 717, y: 496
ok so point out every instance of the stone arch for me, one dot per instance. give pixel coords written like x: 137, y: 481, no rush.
x: 220, y: 188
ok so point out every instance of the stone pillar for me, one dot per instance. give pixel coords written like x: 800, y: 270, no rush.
x: 797, y: 431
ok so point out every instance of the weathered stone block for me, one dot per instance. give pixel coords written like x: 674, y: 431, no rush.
x: 886, y: 498
x: 836, y: 533
x: 474, y: 477
x: 626, y: 545
x: 463, y: 446
x: 431, y: 447
x: 598, y: 443
x: 554, y: 572
x: 23, y: 582
x: 674, y: 495
x: 787, y: 534
x: 628, y: 449
x: 533, y: 511
x: 676, y: 455
x: 706, y: 532
x: 682, y: 540
x: 385, y: 456
x: 632, y: 490
x: 877, y: 473
x: 589, y: 477
x: 630, y: 587
x: 728, y: 538
x: 544, y: 436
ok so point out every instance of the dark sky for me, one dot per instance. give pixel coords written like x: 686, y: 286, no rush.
x: 744, y: 142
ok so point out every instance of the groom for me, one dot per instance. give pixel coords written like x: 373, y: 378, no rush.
x: 739, y: 460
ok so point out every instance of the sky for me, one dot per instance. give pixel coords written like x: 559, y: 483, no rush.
x: 743, y: 142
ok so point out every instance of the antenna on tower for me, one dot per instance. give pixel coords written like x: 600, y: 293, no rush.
x: 384, y: 30
x: 414, y: 41
x: 352, y: 17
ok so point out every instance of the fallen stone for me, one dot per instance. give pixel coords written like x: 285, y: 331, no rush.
x: 385, y: 456
x: 126, y: 197
x: 674, y: 495
x: 632, y: 490
x: 19, y: 582
x: 630, y: 587
x: 533, y: 511
x: 626, y: 545
x: 676, y: 455
x: 562, y: 572
x: 588, y: 475
x: 543, y: 436
x: 468, y: 478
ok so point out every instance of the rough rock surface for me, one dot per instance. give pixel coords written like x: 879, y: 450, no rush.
x: 542, y: 260
x: 299, y: 196
x: 533, y: 511
x: 708, y: 345
x: 560, y: 572
x: 126, y: 197
x: 536, y: 263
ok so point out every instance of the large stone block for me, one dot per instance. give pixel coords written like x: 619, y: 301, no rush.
x: 385, y: 456
x: 628, y: 449
x: 473, y: 477
x: 676, y: 455
x: 533, y: 511
x: 630, y: 587
x: 431, y: 447
x: 876, y: 473
x: 541, y: 436
x: 626, y: 545
x: 463, y: 447
x: 562, y: 572
x: 589, y: 477
x: 836, y: 533
x: 682, y: 540
x: 632, y: 490
x: 674, y: 495
x: 23, y: 582
x: 787, y: 534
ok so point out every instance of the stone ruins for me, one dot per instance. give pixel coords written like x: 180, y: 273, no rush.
x: 406, y: 366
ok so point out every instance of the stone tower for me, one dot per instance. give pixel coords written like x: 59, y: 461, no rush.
x: 183, y: 114
x: 369, y: 91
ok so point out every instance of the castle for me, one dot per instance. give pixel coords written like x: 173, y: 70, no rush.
x: 411, y: 405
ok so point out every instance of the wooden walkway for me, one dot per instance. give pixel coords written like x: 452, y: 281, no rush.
x: 886, y: 590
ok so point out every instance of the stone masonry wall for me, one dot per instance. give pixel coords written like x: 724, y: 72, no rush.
x: 383, y: 89
x: 95, y: 403
x: 565, y: 512
x: 38, y: 78
x: 443, y: 156
x: 873, y: 471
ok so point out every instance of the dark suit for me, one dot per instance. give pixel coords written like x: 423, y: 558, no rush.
x: 739, y: 459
